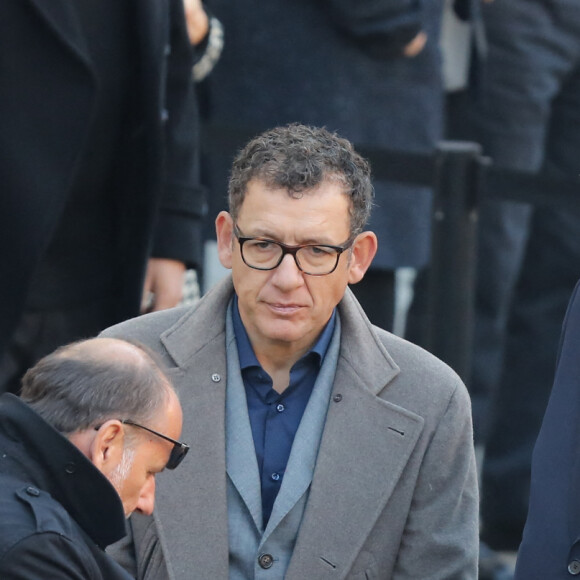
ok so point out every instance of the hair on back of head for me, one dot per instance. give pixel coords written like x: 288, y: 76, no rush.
x: 76, y: 387
x: 299, y: 158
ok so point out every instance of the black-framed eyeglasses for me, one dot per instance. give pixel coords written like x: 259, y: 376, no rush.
x: 312, y: 259
x: 178, y: 452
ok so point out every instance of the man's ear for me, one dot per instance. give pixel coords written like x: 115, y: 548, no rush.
x: 106, y: 449
x: 362, y: 254
x: 224, y: 227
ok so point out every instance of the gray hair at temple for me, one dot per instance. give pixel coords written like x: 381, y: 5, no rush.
x: 85, y: 383
x: 299, y: 158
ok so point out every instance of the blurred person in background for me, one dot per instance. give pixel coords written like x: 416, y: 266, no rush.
x: 525, y: 111
x: 550, y: 546
x: 101, y: 207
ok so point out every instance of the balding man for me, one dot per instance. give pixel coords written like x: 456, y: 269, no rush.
x: 98, y: 419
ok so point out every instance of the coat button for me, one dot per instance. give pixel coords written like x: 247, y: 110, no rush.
x: 32, y: 491
x: 574, y: 567
x: 337, y: 398
x: 70, y: 468
x: 266, y: 561
x: 216, y: 378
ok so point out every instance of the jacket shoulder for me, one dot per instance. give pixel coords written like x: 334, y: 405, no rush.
x: 410, y: 356
x: 147, y: 327
x: 424, y: 381
x: 27, y: 512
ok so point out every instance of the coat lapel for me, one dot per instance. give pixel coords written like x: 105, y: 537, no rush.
x: 242, y: 464
x: 60, y: 17
x: 366, y: 444
x: 196, y: 343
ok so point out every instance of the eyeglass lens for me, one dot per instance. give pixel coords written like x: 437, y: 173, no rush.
x: 178, y: 452
x: 265, y: 255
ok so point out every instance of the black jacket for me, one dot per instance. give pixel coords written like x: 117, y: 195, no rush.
x: 57, y: 511
x: 550, y: 547
x: 48, y: 92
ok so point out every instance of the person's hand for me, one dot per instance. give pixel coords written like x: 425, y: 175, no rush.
x: 163, y: 286
x: 416, y: 45
x: 196, y: 19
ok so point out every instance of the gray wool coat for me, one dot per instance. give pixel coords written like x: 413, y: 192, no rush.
x: 394, y: 493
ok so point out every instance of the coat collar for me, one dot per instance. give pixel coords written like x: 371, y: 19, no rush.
x: 58, y: 467
x: 200, y: 326
x: 60, y: 17
x: 361, y: 348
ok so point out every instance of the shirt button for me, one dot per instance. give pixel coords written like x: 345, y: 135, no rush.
x: 275, y: 476
x: 280, y: 407
x: 574, y: 567
x: 266, y: 561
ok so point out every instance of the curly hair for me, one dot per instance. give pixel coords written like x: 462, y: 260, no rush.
x: 299, y: 158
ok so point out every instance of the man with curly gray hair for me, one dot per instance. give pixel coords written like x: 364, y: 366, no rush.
x: 331, y: 448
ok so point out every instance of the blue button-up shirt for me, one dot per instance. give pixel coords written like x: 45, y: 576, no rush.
x: 275, y: 417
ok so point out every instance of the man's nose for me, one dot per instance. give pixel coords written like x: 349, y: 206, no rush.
x: 146, y: 501
x: 288, y: 274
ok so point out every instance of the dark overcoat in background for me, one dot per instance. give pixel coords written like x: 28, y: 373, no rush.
x: 47, y: 92
x: 339, y: 64
x: 550, y: 548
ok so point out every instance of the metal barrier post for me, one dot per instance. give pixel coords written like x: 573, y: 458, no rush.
x: 451, y: 285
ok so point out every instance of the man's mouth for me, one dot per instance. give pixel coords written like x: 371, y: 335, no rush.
x: 284, y: 309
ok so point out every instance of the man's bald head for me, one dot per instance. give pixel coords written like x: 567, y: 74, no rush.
x: 88, y: 382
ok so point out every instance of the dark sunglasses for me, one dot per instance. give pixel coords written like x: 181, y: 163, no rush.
x: 178, y: 452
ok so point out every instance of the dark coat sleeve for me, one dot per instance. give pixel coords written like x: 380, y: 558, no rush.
x: 381, y: 27
x: 48, y: 555
x: 183, y: 205
x: 550, y: 547
x: 40, y: 541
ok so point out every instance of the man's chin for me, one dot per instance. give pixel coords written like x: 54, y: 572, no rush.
x: 286, y: 333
